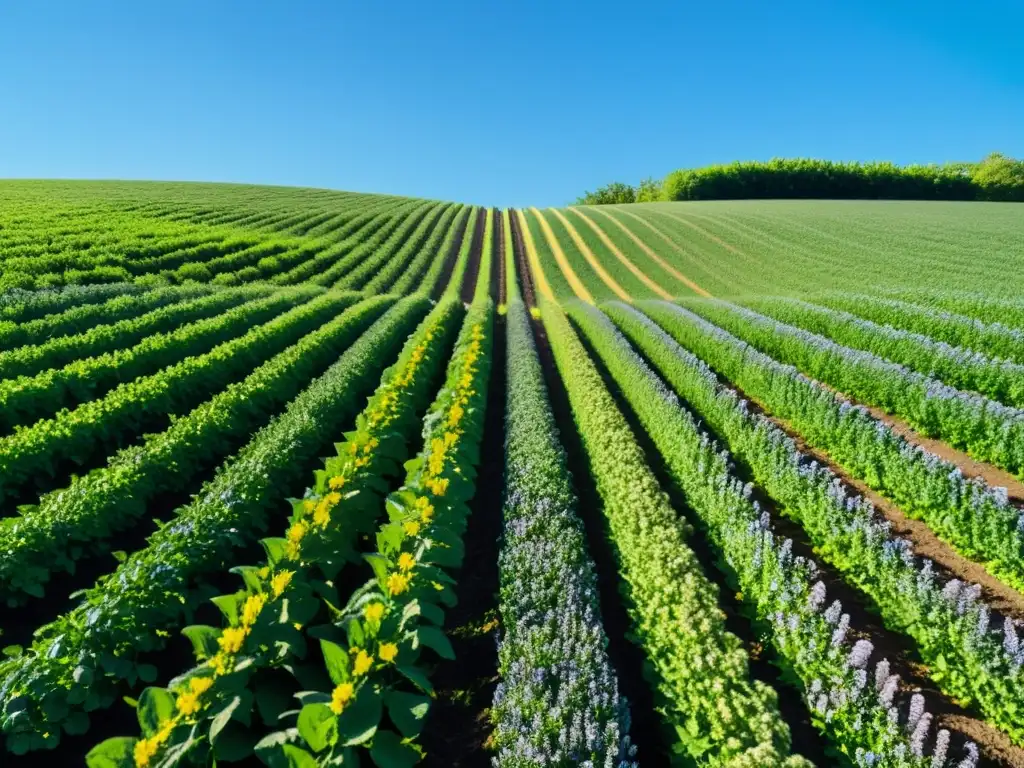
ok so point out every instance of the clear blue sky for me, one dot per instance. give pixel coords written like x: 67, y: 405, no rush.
x: 503, y: 104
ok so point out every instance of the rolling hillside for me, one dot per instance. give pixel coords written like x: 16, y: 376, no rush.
x: 298, y: 477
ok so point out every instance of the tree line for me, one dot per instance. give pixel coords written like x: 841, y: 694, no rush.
x: 997, y: 177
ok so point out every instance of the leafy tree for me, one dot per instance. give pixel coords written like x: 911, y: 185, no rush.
x: 610, y: 194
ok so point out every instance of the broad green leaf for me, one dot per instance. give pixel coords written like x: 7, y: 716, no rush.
x: 337, y: 660
x: 318, y: 725
x: 156, y: 705
x: 112, y: 753
x: 388, y: 751
x: 407, y: 711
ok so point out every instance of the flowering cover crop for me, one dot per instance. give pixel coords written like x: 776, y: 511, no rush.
x: 980, y: 521
x: 973, y: 662
x: 558, y: 703
x: 721, y: 716
x: 860, y: 718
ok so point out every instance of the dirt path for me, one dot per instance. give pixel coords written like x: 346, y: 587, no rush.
x: 607, y: 242
x: 650, y: 252
x: 992, y: 475
x: 472, y: 272
x: 458, y: 728
x: 522, y: 264
x: 449, y: 261
x: 499, y: 291
x: 532, y: 260
x: 584, y: 249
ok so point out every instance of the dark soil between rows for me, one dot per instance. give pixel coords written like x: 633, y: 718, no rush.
x: 522, y: 265
x: 475, y: 252
x: 458, y: 728
x: 449, y: 261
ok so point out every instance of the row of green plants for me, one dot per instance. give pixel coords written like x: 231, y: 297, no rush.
x: 37, y: 455
x: 387, y: 239
x: 978, y: 521
x: 79, y: 521
x: 980, y: 306
x: 973, y: 663
x: 378, y: 693
x: 78, y: 319
x: 422, y: 273
x: 992, y: 338
x: 38, y: 381
x: 378, y: 271
x: 21, y: 306
x: 455, y: 279
x: 558, y: 701
x: 987, y: 430
x: 360, y: 229
x: 283, y: 606
x: 717, y: 713
x: 966, y: 369
x: 865, y: 716
x: 77, y: 663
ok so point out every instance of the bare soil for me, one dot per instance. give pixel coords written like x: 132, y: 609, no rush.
x: 522, y: 265
x: 498, y: 259
x: 449, y: 261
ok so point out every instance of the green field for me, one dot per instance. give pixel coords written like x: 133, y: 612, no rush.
x: 299, y: 477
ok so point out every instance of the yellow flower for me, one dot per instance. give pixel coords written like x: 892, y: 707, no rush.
x: 422, y: 502
x: 332, y: 498
x: 341, y: 696
x: 280, y: 583
x: 251, y: 609
x: 297, y: 531
x: 263, y: 572
x: 455, y: 415
x: 387, y: 652
x: 322, y: 516
x: 374, y: 611
x: 437, y: 486
x: 406, y: 562
x: 219, y: 664
x: 398, y: 583
x: 308, y: 505
x: 144, y: 751
x: 427, y: 515
x: 188, y: 704
x: 411, y: 527
x: 362, y: 663
x: 200, y: 685
x: 231, y: 639
x: 450, y: 438
x: 336, y: 483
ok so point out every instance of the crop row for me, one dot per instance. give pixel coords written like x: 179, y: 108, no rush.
x: 76, y: 521
x: 558, y: 700
x: 717, y: 711
x: 947, y: 622
x: 967, y: 369
x: 266, y: 621
x: 978, y: 520
x: 996, y: 339
x: 38, y: 453
x: 424, y: 268
x: 130, y: 612
x: 37, y: 381
x: 984, y: 428
x: 377, y: 272
x: 81, y: 318
x: 858, y: 714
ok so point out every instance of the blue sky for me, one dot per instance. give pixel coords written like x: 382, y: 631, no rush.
x: 527, y: 103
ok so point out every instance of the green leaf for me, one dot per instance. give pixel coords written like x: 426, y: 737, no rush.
x: 388, y: 751
x: 204, y: 640
x: 432, y: 637
x: 380, y: 568
x: 407, y: 711
x: 318, y: 725
x: 13, y: 650
x: 112, y: 753
x: 275, y: 549
x: 147, y: 672
x: 229, y: 605
x: 76, y: 724
x: 337, y: 660
x: 120, y: 555
x: 417, y: 676
x: 358, y: 723
x: 155, y: 706
x: 221, y: 718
